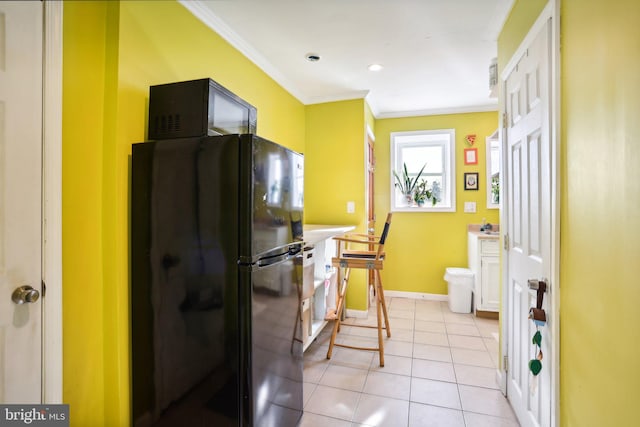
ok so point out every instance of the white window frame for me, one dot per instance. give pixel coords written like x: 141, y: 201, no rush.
x: 442, y: 137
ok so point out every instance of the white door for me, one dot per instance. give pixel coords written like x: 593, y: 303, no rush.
x: 528, y: 205
x: 20, y: 201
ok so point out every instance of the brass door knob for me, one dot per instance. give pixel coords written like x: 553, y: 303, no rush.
x: 25, y: 295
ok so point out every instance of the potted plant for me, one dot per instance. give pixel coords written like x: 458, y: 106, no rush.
x: 406, y: 184
x: 422, y: 193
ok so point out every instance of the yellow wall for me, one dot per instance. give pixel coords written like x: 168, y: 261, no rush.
x: 422, y: 245
x: 600, y: 237
x: 334, y: 162
x: 522, y: 16
x: 334, y: 173
x: 113, y: 52
x: 84, y: 70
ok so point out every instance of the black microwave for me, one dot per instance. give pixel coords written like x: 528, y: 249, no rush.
x: 197, y: 108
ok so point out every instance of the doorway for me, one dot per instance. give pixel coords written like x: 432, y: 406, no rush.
x: 370, y: 160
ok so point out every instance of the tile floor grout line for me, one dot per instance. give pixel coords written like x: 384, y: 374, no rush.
x: 455, y: 376
x: 413, y: 349
x: 355, y: 411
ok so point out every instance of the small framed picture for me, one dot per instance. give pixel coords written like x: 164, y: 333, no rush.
x: 471, y: 180
x: 470, y: 156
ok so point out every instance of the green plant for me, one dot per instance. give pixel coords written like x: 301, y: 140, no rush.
x: 422, y: 193
x: 495, y: 189
x: 406, y: 184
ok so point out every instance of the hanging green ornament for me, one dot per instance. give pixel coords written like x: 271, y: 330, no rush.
x: 535, y: 366
x: 537, y: 338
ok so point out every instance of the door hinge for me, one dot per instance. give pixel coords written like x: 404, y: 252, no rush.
x: 506, y: 242
x: 505, y: 363
x: 505, y: 123
x: 44, y: 289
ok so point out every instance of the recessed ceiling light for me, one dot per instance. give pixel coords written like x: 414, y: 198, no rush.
x: 375, y: 67
x: 312, y: 57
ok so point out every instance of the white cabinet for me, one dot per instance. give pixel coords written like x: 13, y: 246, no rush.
x: 319, y: 288
x: 484, y: 261
x: 319, y: 278
x: 489, y: 283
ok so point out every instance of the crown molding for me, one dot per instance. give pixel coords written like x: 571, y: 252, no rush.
x: 439, y: 111
x: 343, y: 96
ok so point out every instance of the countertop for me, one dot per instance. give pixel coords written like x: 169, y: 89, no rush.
x: 475, y: 230
x: 314, y: 233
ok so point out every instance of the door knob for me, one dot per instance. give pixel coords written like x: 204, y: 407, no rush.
x: 25, y: 294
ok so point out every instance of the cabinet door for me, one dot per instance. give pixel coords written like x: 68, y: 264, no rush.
x: 490, y: 283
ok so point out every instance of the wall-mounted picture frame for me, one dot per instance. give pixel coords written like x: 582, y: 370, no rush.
x: 470, y: 156
x: 471, y: 181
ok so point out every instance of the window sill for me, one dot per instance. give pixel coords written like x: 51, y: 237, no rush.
x: 423, y: 209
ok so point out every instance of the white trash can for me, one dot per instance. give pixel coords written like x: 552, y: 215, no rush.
x: 460, y: 289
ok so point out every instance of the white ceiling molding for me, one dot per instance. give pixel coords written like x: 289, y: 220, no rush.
x: 438, y: 111
x: 358, y: 94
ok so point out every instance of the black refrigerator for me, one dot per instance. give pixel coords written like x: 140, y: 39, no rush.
x: 216, y: 281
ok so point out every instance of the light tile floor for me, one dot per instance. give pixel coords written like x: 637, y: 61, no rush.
x: 440, y: 370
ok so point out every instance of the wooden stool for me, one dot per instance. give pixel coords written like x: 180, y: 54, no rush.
x: 372, y: 260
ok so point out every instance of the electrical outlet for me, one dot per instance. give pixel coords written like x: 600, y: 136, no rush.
x: 351, y: 207
x: 470, y: 207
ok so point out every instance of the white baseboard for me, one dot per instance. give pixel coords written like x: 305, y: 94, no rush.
x: 416, y: 295
x: 359, y: 314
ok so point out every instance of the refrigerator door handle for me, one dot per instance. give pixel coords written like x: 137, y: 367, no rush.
x: 277, y: 259
x: 292, y: 251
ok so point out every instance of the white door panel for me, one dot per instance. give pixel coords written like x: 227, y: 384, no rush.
x: 21, y: 199
x: 528, y: 204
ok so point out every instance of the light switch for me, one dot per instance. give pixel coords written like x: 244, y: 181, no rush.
x: 351, y: 207
x: 470, y: 207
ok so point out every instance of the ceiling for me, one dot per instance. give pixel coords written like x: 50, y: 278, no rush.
x: 435, y: 53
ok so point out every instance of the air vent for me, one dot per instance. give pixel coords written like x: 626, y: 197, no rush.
x: 167, y: 124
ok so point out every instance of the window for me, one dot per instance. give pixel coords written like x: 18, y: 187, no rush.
x: 493, y: 171
x: 433, y: 149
